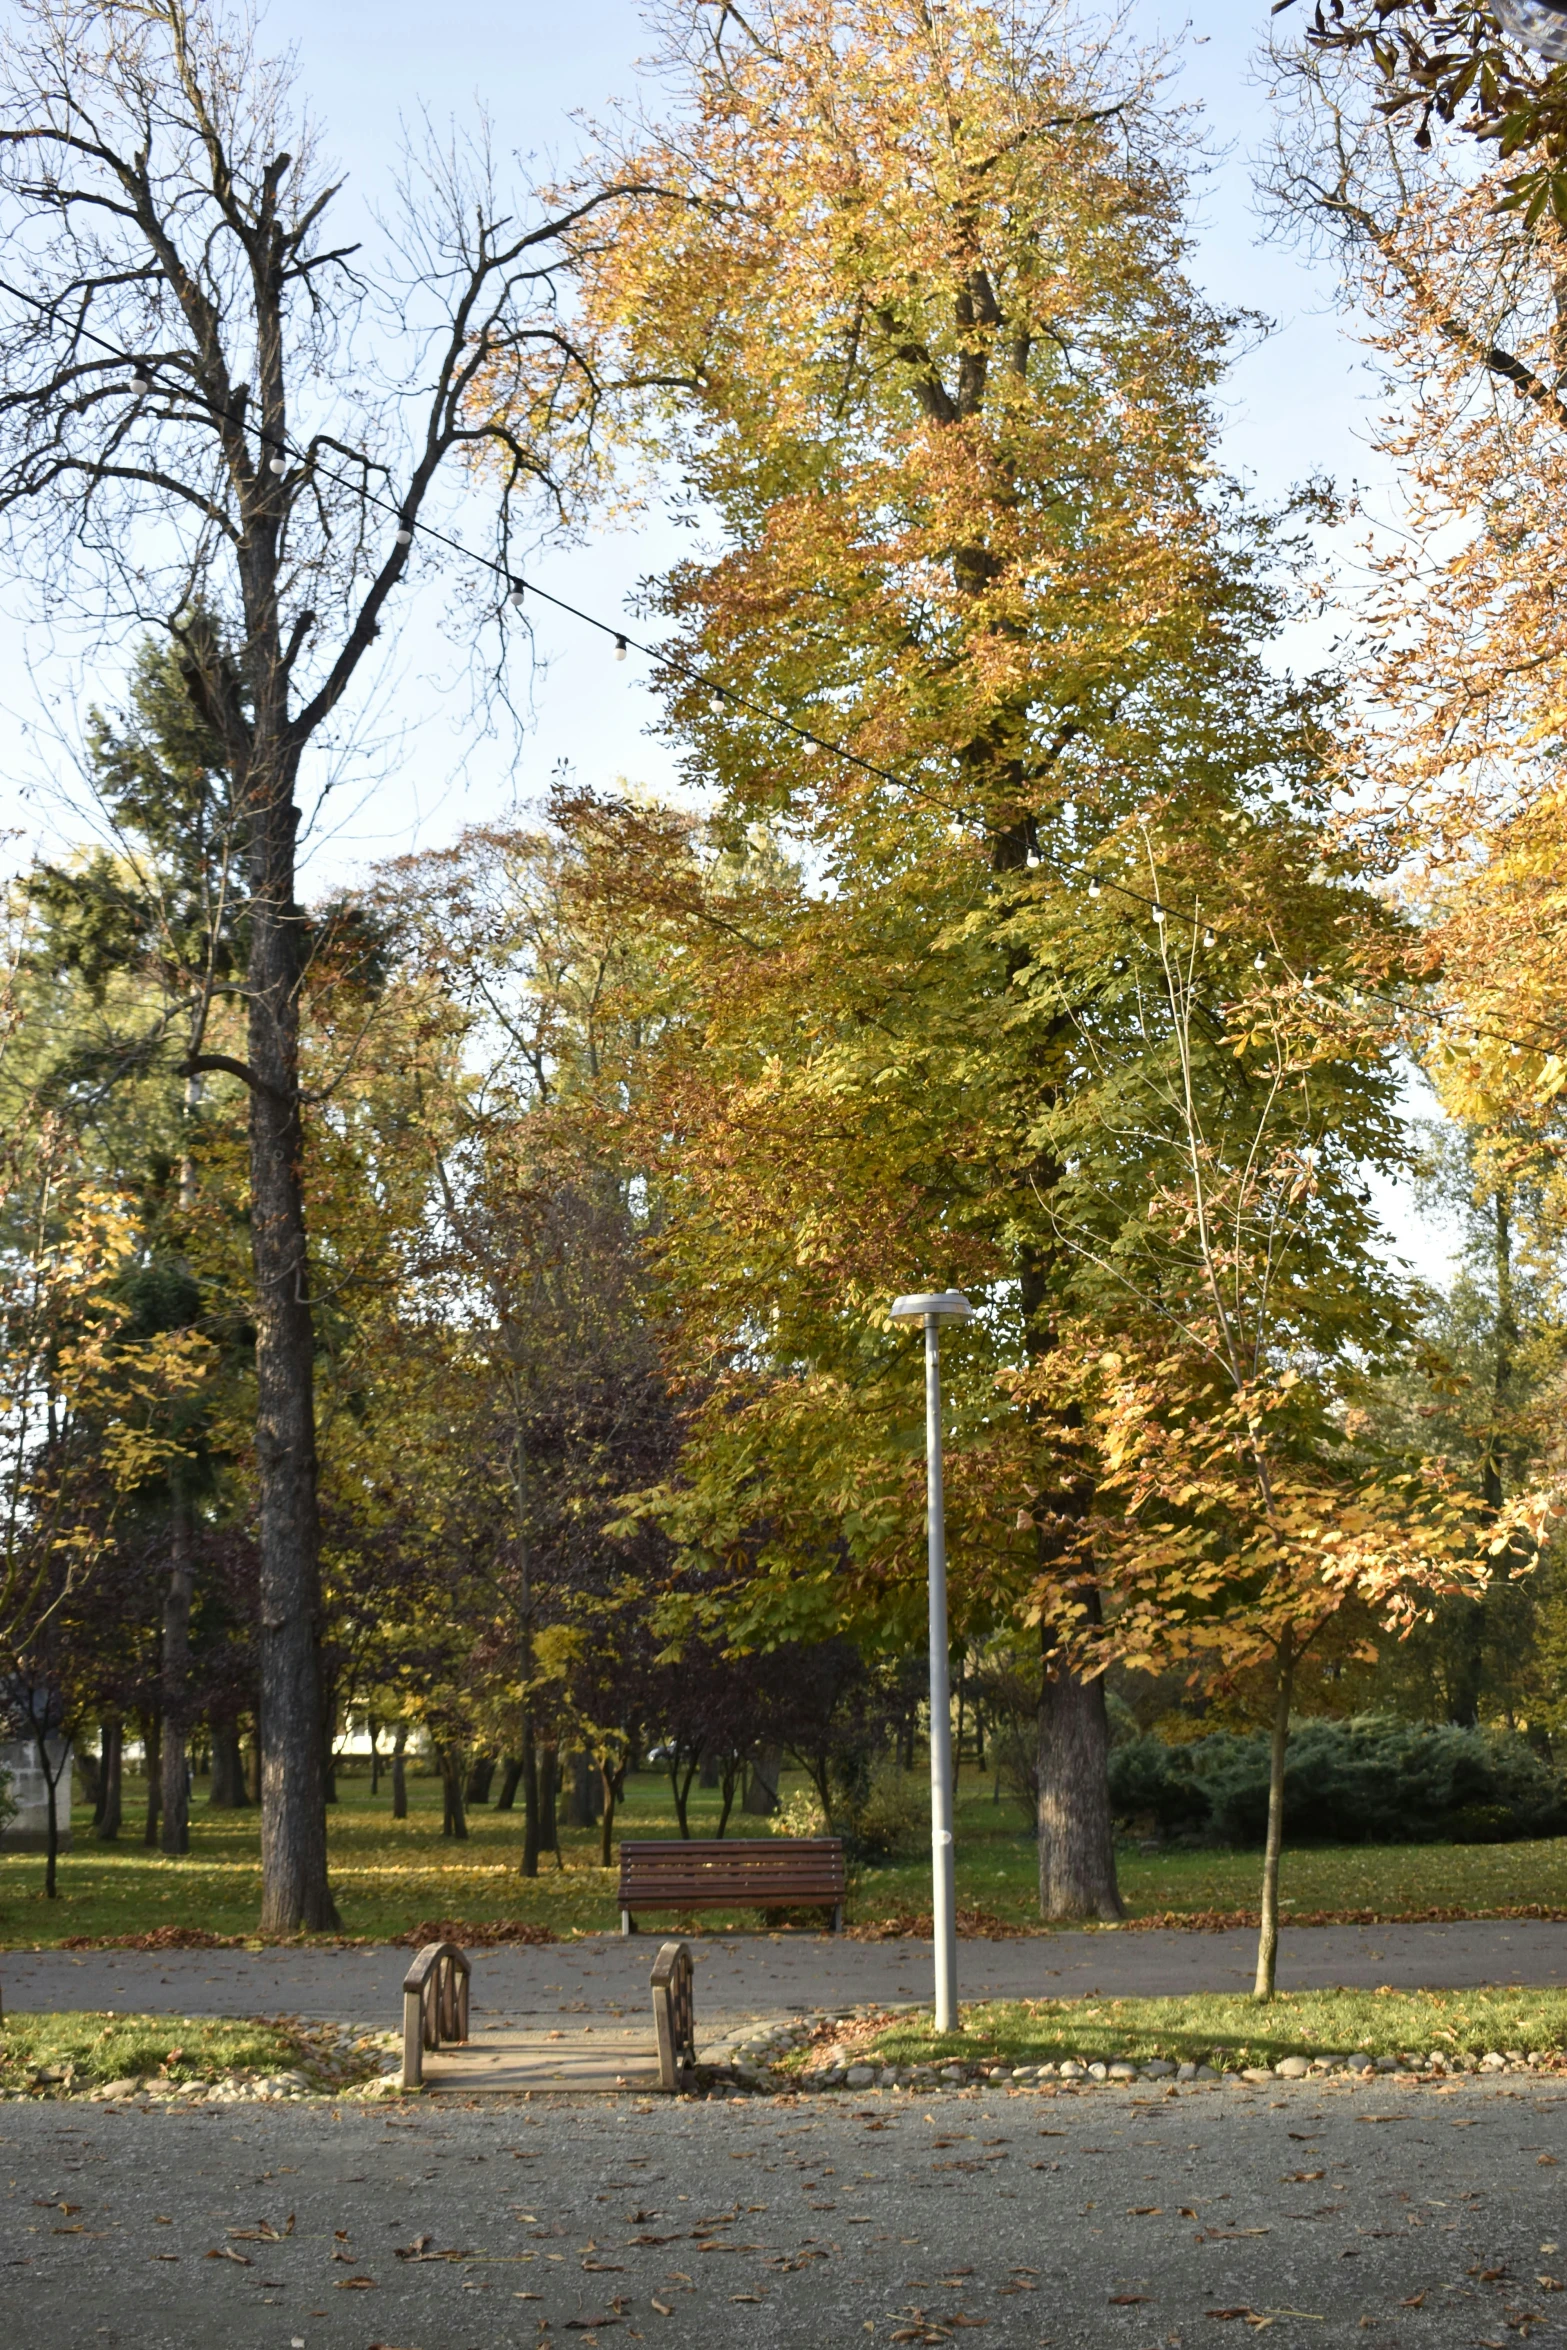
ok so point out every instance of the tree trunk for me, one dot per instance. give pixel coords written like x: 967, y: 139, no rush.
x: 294, y: 1888
x: 481, y: 1775
x: 228, y: 1791
x: 614, y: 1781
x: 52, y: 1818
x: 174, y: 1774
x: 530, y: 1799
x: 709, y: 1774
x: 761, y: 1794
x: 400, y: 1773
x: 111, y: 1783
x: 152, y: 1751
x: 1268, y: 1937
x: 1076, y: 1843
x: 680, y: 1780
x: 511, y: 1780
x: 549, y: 1800
x: 454, y: 1820
x: 375, y: 1758
x: 733, y: 1773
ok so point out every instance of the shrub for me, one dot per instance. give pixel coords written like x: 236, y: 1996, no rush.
x: 1372, y: 1780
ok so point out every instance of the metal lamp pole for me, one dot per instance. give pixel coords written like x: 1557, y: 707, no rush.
x: 933, y: 1308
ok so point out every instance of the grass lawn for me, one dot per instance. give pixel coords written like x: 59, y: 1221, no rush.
x: 88, y: 2048
x: 390, y: 1875
x: 1230, y: 2030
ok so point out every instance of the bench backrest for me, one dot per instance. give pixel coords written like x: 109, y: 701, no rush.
x: 810, y: 1867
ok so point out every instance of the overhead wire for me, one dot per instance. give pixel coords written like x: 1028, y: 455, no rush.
x: 144, y: 379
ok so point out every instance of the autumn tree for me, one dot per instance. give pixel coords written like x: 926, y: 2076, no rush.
x: 193, y: 437
x: 971, y: 681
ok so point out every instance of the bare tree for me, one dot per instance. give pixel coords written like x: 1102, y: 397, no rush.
x: 196, y: 430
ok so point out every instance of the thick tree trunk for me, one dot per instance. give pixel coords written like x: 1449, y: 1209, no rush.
x: 1268, y: 1937
x: 111, y: 1783
x: 174, y: 1775
x: 481, y: 1777
x: 227, y: 1791
x: 294, y: 1889
x: 709, y: 1772
x: 152, y: 1750
x: 1076, y: 1842
x: 454, y: 1820
x: 400, y: 1773
x: 511, y: 1780
x: 375, y: 1758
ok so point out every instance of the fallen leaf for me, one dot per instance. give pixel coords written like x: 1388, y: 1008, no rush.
x: 1413, y: 2301
x: 1145, y: 2211
x: 1546, y: 2161
x: 1292, y: 2178
x: 240, y: 2259
x: 663, y: 2309
x: 1128, y: 2300
x: 356, y: 2284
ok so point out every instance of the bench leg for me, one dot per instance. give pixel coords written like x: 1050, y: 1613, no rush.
x: 626, y: 1925
x: 837, y: 1918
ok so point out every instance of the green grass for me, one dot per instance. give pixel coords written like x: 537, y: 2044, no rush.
x: 391, y: 1875
x: 1231, y: 2030
x: 91, y: 2048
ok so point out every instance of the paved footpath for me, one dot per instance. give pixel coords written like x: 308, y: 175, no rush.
x: 767, y: 1974
x: 1426, y: 2218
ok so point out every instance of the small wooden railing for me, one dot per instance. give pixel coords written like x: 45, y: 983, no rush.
x: 674, y: 2015
x: 435, y: 2005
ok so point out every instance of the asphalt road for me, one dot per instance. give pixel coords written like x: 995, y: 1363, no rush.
x: 762, y: 1974
x: 1134, y: 2222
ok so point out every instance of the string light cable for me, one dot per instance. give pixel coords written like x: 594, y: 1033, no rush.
x: 144, y: 379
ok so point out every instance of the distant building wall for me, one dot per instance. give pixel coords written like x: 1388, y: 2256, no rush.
x: 28, y: 1831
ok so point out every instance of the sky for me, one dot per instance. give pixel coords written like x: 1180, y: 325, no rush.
x: 1298, y: 404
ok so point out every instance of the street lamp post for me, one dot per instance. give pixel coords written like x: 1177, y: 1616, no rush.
x: 933, y: 1308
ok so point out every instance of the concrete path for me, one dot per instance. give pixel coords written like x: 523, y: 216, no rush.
x: 740, y: 1976
x: 1103, y: 2222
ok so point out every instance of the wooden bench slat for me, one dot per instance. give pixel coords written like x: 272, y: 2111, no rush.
x: 761, y: 1872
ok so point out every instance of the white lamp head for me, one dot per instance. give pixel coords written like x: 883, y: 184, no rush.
x: 946, y: 1305
x: 1540, y: 25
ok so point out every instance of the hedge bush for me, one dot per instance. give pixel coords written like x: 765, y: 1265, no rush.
x: 1374, y: 1780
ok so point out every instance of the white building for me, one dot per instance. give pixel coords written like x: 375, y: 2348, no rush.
x: 28, y: 1829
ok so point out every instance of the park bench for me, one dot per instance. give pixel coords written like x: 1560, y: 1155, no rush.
x: 746, y: 1872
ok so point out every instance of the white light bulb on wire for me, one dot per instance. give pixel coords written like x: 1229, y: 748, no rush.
x: 405, y: 537
x: 620, y: 648
x: 514, y: 595
x: 1207, y: 938
x: 1158, y: 914
x: 1093, y: 889
x: 1260, y: 963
